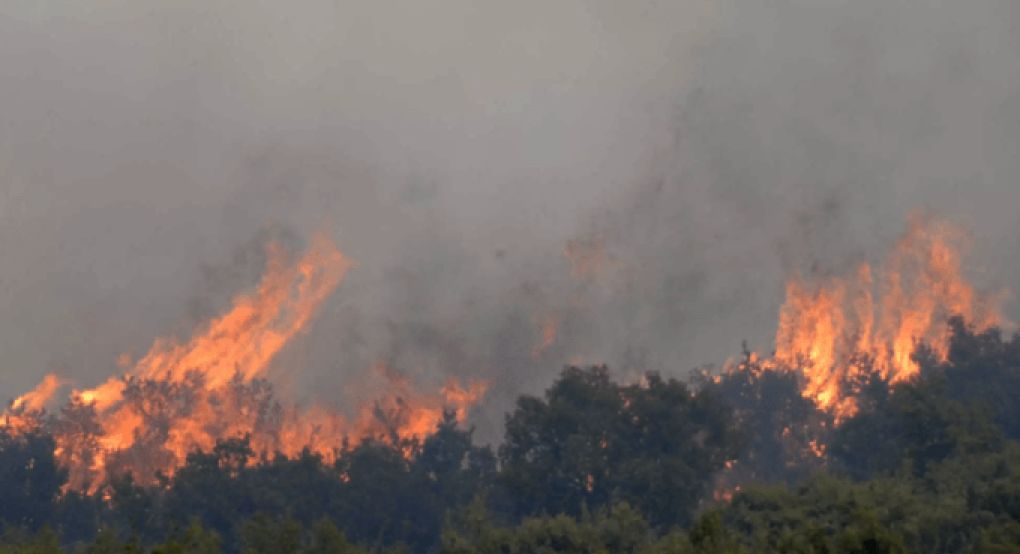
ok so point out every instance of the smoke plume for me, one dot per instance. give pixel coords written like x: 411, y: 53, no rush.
x: 521, y: 184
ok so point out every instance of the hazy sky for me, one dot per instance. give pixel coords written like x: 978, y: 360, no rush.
x: 453, y: 147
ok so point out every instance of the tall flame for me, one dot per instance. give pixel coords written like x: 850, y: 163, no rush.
x: 183, y: 396
x: 20, y: 417
x: 827, y: 325
x: 38, y: 398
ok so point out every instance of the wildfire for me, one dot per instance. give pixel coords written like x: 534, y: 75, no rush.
x: 829, y: 326
x: 36, y: 400
x: 404, y: 410
x: 724, y: 495
x: 184, y: 396
x: 550, y: 328
x: 19, y: 418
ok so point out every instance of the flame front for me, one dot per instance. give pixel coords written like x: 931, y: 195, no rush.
x: 38, y: 398
x: 828, y: 326
x: 20, y: 417
x: 184, y: 396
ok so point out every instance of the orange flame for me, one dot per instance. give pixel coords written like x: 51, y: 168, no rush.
x: 38, y: 398
x: 550, y: 328
x: 183, y: 396
x: 405, y: 411
x: 23, y: 414
x: 826, y: 325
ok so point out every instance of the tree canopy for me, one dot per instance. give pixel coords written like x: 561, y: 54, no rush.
x: 734, y: 463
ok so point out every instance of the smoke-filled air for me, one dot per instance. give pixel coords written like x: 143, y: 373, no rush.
x: 461, y: 277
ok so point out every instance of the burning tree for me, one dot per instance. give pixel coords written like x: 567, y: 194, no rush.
x: 187, y: 396
x: 842, y: 346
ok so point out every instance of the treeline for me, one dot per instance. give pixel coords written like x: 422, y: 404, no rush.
x: 738, y: 462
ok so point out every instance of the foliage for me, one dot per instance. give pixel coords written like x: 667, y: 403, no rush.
x: 928, y: 466
x: 782, y: 426
x: 378, y: 494
x: 30, y: 479
x: 593, y: 442
x: 620, y: 529
x: 981, y: 369
x: 965, y: 405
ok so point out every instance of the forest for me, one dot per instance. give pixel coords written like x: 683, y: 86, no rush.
x: 733, y: 462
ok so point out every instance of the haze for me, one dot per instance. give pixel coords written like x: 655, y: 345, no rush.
x: 454, y: 147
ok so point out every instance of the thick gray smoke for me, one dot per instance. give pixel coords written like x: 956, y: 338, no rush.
x: 455, y: 147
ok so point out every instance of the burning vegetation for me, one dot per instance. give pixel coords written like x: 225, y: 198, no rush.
x: 894, y: 372
x: 830, y: 326
x: 187, y: 396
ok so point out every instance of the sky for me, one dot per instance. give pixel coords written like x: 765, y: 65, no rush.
x: 454, y: 148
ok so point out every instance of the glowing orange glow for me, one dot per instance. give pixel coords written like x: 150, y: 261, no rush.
x: 550, y: 328
x: 827, y: 324
x: 183, y: 396
x: 404, y: 410
x: 37, y: 399
x: 725, y: 495
x: 25, y: 411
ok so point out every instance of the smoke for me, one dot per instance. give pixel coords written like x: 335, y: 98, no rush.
x: 809, y: 132
x: 455, y: 147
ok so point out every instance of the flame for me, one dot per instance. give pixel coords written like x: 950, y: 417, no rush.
x: 550, y: 328
x: 403, y: 410
x: 828, y: 325
x: 24, y: 414
x: 40, y: 396
x: 725, y: 494
x: 831, y: 326
x: 183, y: 396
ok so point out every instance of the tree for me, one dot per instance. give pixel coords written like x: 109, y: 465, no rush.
x: 619, y: 529
x: 30, y: 479
x: 591, y: 442
x: 455, y: 469
x: 44, y: 542
x: 784, y: 428
x: 383, y: 501
x: 195, y: 540
x: 917, y: 426
x: 213, y: 487
x: 981, y: 368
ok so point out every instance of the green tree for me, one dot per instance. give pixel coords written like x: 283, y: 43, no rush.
x: 43, y: 542
x: 593, y: 442
x: 780, y: 423
x: 620, y: 529
x: 455, y: 469
x: 980, y: 368
x: 384, y: 501
x: 263, y: 534
x: 30, y: 479
x: 195, y: 540
x: 917, y: 426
